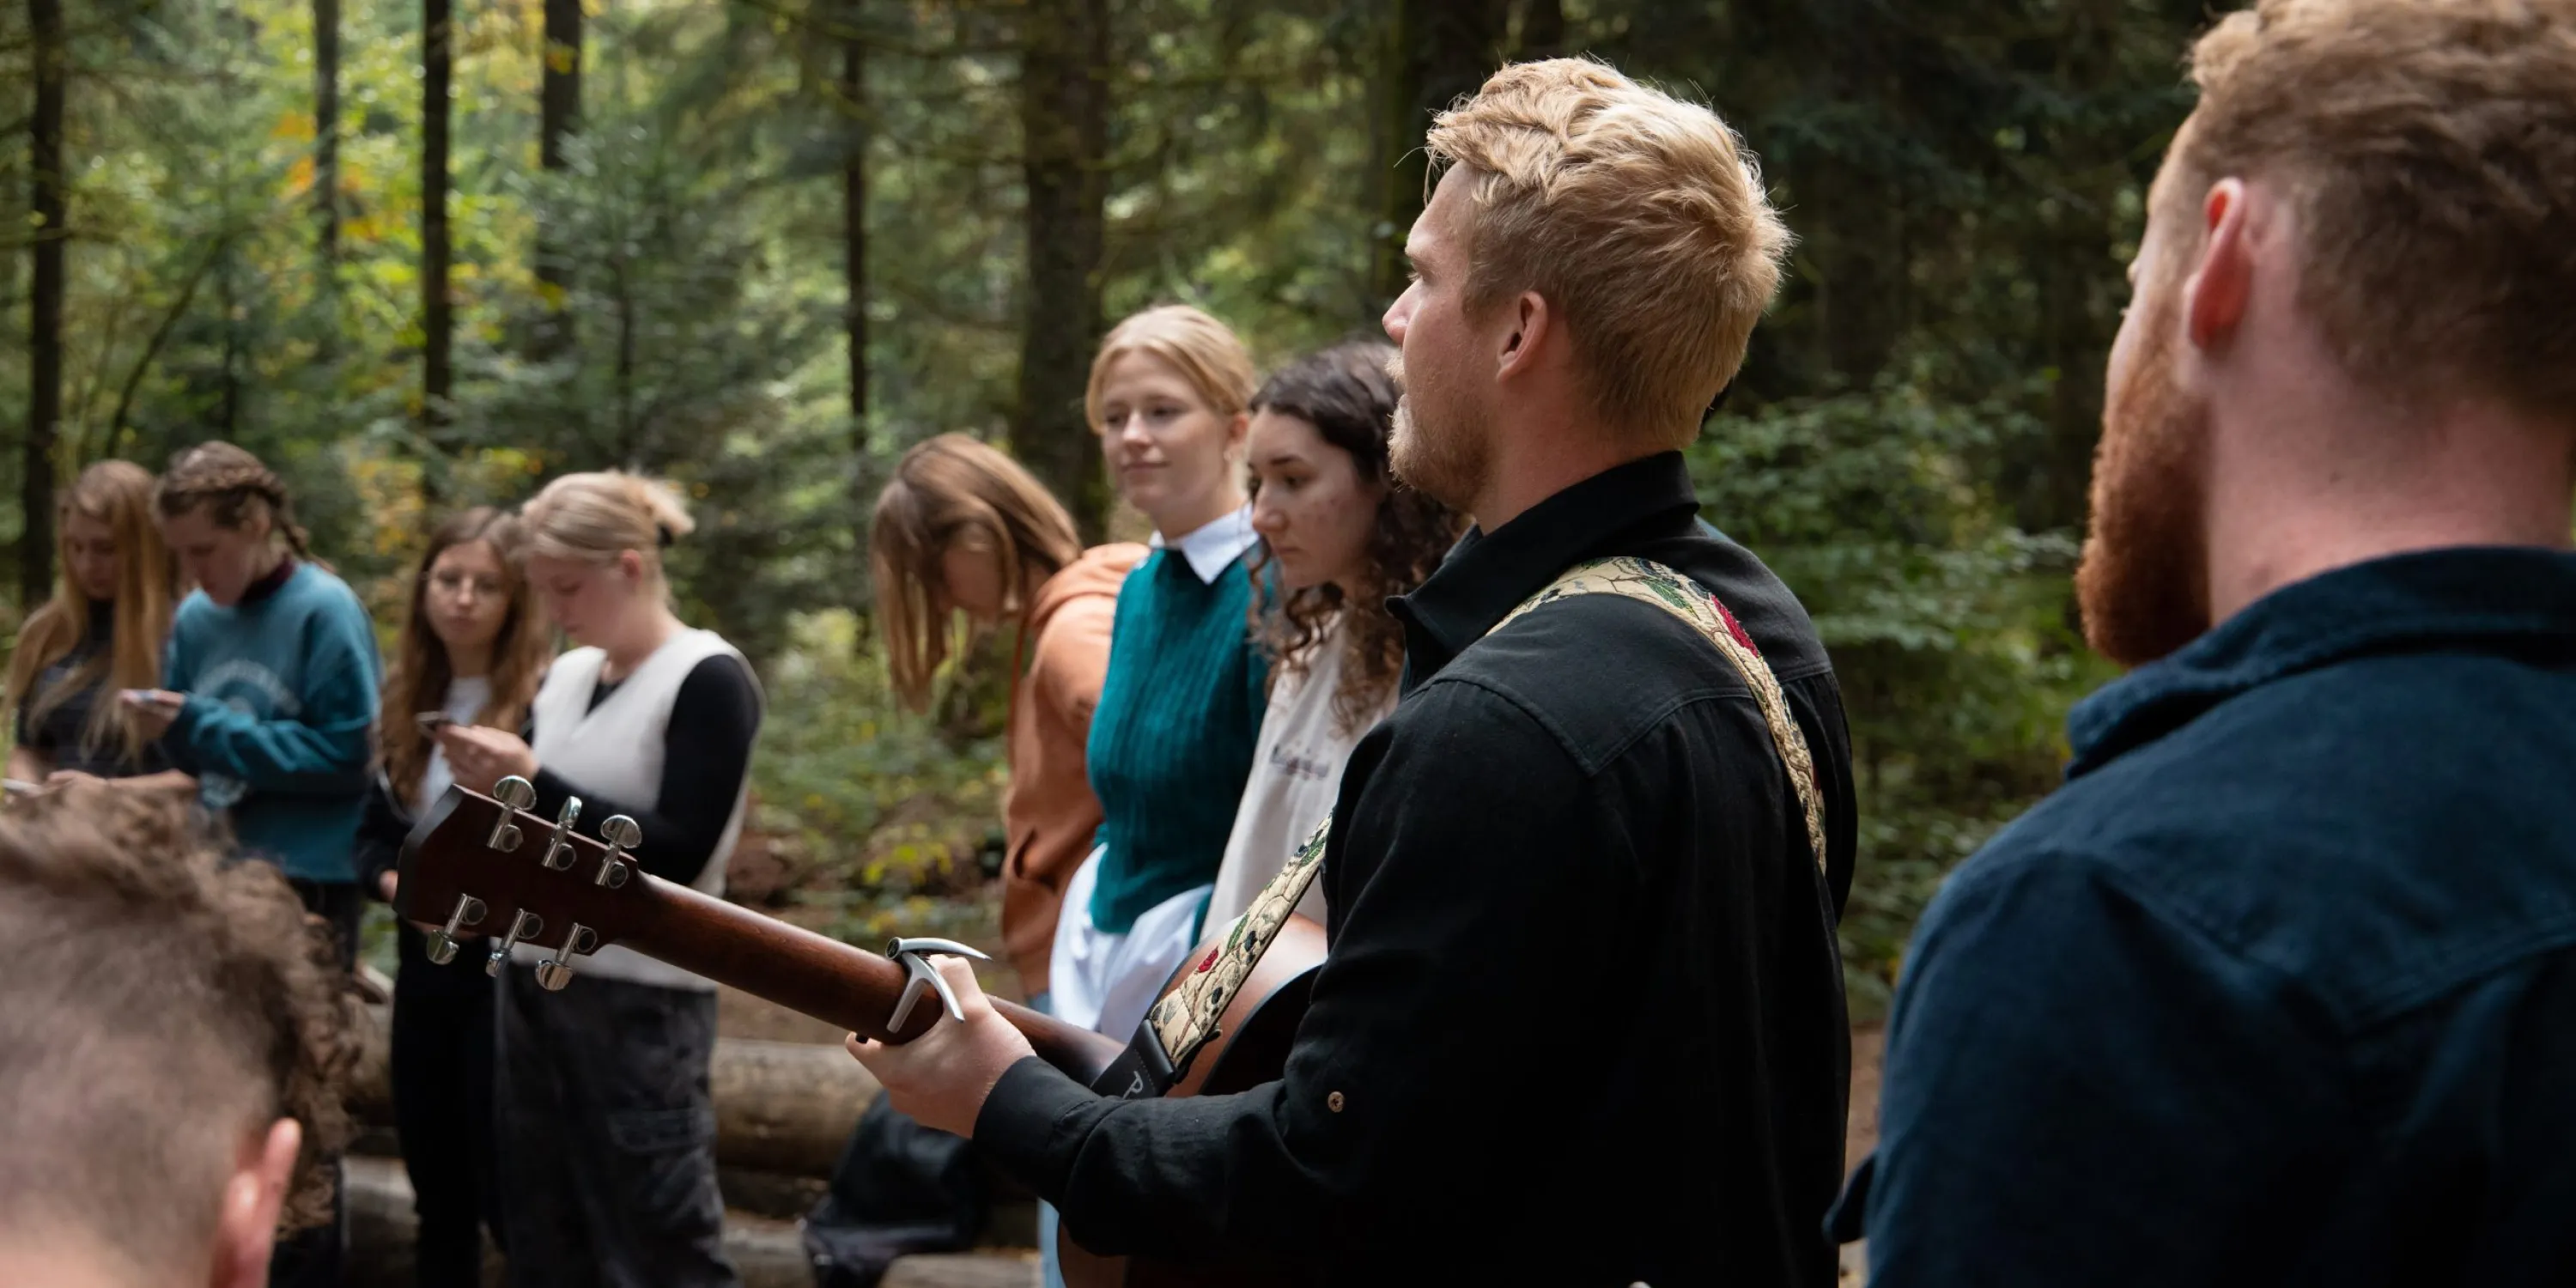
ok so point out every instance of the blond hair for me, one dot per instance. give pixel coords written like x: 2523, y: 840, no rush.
x: 2428, y: 152
x: 1204, y: 350
x: 952, y: 492
x: 595, y: 517
x: 118, y: 494
x: 1642, y: 221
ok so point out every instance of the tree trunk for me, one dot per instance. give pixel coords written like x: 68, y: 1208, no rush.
x: 45, y: 314
x: 228, y: 416
x: 438, y: 319
x: 854, y: 216
x: 1434, y: 52
x: 559, y: 114
x: 854, y: 273
x: 326, y: 135
x: 1064, y: 125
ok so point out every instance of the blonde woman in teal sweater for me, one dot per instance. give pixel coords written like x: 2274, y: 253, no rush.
x: 1171, y: 743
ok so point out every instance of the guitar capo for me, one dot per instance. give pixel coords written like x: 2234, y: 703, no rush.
x: 913, y: 953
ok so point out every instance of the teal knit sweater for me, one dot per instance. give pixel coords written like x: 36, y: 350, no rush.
x: 1172, y: 739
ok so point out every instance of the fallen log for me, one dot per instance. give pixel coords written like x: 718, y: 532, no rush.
x: 785, y: 1107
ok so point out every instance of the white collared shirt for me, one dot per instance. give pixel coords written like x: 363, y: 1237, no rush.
x: 1212, y: 545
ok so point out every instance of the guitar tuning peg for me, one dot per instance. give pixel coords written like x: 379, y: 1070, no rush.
x: 556, y: 971
x: 560, y: 845
x: 442, y: 942
x: 622, y: 834
x: 514, y: 793
x: 525, y: 924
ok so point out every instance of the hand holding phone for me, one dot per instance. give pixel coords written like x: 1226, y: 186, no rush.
x: 156, y: 710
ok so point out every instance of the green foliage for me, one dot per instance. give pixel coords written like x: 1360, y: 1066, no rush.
x: 1907, y: 444
x: 885, y: 815
x: 1946, y: 626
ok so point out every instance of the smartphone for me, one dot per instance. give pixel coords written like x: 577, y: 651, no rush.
x: 20, y: 787
x: 432, y: 721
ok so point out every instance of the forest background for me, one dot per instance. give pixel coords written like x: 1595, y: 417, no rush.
x: 427, y: 254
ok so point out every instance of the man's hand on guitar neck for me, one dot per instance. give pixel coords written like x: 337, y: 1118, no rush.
x: 941, y: 1078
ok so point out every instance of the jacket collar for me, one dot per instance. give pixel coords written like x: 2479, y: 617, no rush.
x: 1487, y: 575
x: 2477, y: 599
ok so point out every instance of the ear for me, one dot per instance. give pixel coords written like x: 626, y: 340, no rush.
x: 1237, y: 429
x: 1532, y: 325
x: 631, y: 563
x: 246, y: 1230
x: 2222, y: 284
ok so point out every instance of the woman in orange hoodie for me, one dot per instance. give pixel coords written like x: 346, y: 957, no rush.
x: 963, y: 529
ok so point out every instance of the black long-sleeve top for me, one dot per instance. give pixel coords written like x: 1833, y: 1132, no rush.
x: 1582, y: 1020
x: 715, y: 717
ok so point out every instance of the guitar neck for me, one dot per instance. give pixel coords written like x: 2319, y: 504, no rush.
x: 849, y: 988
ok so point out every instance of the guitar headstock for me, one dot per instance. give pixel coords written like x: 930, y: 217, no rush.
x: 483, y: 865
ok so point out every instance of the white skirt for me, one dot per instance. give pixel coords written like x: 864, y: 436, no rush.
x: 1107, y: 982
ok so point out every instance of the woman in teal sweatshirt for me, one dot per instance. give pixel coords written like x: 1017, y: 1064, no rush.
x: 270, y: 680
x: 269, y: 707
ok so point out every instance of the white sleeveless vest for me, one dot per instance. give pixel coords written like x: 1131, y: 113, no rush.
x: 617, y: 750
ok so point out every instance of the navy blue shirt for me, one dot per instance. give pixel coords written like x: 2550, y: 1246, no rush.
x: 2281, y: 987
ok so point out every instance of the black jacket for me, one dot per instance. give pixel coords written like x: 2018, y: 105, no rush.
x: 1582, y: 1022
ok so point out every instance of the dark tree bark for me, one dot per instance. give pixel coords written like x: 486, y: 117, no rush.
x: 854, y: 272
x: 438, y: 317
x: 1434, y: 52
x: 45, y: 313
x: 559, y: 115
x: 854, y: 214
x: 228, y: 407
x: 1064, y: 122
x: 326, y: 134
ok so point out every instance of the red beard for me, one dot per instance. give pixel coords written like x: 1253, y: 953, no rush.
x: 2142, y: 584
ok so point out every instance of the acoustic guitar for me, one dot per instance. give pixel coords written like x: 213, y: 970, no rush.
x: 476, y: 866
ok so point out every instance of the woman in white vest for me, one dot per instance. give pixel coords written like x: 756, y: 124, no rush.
x: 608, y: 1170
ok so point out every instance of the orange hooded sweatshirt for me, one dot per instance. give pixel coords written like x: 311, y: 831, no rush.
x: 1049, y: 813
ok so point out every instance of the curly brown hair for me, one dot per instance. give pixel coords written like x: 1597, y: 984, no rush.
x: 1348, y: 393
x: 163, y: 1005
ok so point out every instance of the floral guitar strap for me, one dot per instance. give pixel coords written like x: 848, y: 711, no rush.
x: 1187, y: 1016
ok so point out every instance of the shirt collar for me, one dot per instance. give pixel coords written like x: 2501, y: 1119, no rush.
x: 2484, y: 599
x: 1211, y: 546
x: 269, y: 585
x: 1487, y: 575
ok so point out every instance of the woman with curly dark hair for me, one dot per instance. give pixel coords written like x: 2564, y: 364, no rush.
x: 1339, y: 535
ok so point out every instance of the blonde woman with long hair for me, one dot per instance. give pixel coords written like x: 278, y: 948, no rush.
x: 607, y: 1167
x: 100, y: 634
